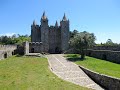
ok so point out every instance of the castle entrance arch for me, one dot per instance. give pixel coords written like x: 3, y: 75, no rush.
x: 32, y: 50
x: 57, y: 50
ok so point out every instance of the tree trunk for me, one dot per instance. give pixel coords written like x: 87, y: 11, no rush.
x: 82, y: 54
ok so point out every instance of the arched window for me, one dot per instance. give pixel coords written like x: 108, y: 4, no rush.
x: 13, y: 53
x: 5, y: 55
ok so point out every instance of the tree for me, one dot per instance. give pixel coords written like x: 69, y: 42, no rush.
x: 15, y: 39
x: 82, y: 41
x: 72, y: 34
x: 109, y: 42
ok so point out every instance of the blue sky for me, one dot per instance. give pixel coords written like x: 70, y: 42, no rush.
x: 101, y: 17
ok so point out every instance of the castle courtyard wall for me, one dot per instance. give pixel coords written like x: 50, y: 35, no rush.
x: 113, y: 56
x: 35, y: 47
x: 108, y: 82
x: 7, y: 51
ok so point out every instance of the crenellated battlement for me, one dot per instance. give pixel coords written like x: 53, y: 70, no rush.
x: 8, y: 47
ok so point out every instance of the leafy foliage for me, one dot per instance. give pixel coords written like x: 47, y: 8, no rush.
x: 109, y: 42
x: 81, y: 41
x: 14, y: 39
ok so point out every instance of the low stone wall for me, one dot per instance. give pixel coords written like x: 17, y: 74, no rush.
x: 5, y: 54
x: 7, y: 51
x: 113, y: 56
x: 105, y: 81
x: 113, y: 48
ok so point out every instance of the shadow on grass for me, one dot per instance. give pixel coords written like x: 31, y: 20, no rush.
x: 74, y: 59
x: 18, y: 55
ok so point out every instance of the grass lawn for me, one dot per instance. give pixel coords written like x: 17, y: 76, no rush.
x: 97, y: 65
x: 31, y: 73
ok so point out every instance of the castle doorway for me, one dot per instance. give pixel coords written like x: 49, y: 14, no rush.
x: 32, y: 50
x: 57, y: 50
x: 5, y: 55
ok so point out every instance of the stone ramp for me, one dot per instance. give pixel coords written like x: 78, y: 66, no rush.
x: 70, y: 72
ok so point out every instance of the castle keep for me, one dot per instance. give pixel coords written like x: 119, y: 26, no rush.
x: 51, y: 39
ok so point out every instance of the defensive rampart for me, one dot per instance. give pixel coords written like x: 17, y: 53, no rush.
x: 7, y: 51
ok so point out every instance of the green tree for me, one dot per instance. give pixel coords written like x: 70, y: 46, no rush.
x: 15, y: 39
x: 82, y: 41
x: 109, y: 42
x: 72, y: 34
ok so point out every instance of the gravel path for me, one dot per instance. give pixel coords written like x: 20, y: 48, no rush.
x: 70, y: 72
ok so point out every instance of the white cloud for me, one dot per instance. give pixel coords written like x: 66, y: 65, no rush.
x: 7, y: 34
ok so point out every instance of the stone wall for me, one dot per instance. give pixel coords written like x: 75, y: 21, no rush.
x: 54, y: 39
x: 64, y: 35
x: 109, y: 83
x: 113, y: 48
x: 7, y: 51
x: 113, y: 56
x: 35, y: 47
x: 32, y: 47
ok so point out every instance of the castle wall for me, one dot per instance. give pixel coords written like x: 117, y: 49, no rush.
x: 35, y: 47
x: 7, y: 51
x: 113, y: 56
x: 58, y: 40
x: 35, y: 33
x: 113, y: 48
x: 52, y: 39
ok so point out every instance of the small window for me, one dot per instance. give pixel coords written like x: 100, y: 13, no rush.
x: 5, y: 55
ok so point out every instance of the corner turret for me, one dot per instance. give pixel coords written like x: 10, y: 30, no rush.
x: 56, y: 24
x: 44, y: 33
x: 34, y: 23
x: 64, y: 24
x: 44, y: 17
x: 64, y: 18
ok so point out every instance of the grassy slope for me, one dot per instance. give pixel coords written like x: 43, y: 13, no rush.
x: 21, y: 73
x: 100, y: 66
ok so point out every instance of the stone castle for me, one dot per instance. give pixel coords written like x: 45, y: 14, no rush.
x: 51, y: 39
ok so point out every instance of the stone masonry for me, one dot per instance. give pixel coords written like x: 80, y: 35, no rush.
x: 109, y: 53
x: 49, y: 39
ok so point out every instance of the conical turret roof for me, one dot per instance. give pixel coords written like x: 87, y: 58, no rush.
x: 56, y: 24
x: 64, y: 17
x: 34, y: 23
x: 44, y: 16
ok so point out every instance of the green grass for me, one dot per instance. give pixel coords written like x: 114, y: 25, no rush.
x: 31, y: 73
x: 97, y: 65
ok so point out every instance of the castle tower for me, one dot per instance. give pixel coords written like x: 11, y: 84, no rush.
x: 35, y: 32
x: 44, y: 33
x: 64, y: 33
